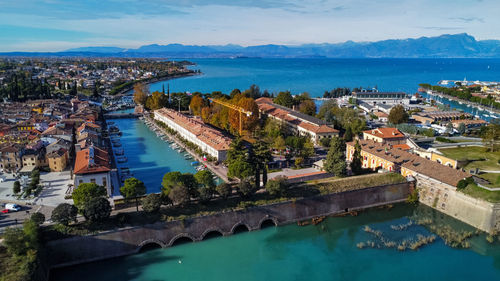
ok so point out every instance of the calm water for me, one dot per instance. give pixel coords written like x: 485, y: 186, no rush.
x: 317, y: 75
x: 324, y: 252
x: 149, y: 157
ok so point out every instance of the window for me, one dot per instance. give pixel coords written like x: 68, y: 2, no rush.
x: 104, y: 182
x: 80, y: 181
x: 92, y: 180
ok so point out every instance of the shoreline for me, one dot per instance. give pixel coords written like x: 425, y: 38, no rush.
x: 472, y: 104
x: 123, y: 92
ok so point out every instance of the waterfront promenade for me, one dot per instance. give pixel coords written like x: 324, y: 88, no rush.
x: 218, y: 170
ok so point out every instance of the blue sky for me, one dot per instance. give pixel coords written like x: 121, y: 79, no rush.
x: 54, y: 25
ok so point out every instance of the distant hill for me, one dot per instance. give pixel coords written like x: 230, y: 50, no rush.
x: 444, y: 46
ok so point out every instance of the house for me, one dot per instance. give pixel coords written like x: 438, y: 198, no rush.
x: 385, y: 135
x: 93, y: 165
x: 11, y: 157
x: 58, y: 159
x: 33, y: 158
x: 297, y: 122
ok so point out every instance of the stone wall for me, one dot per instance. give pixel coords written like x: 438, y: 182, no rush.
x: 445, y: 198
x: 76, y: 250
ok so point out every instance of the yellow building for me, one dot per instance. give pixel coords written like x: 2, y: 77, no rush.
x: 58, y: 160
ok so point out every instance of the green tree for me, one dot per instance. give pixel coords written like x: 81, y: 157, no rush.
x: 17, y: 187
x: 38, y: 218
x: 245, y: 188
x: 179, y: 195
x: 262, y: 156
x: 206, y: 194
x: 170, y: 180
x: 277, y: 186
x: 64, y: 213
x: 356, y: 165
x: 133, y: 188
x: 398, y: 115
x: 348, y: 134
x: 284, y: 99
x: 85, y: 192
x: 461, y: 128
x: 205, y: 178
x: 279, y: 144
x: 151, y: 203
x: 335, y: 159
x: 491, y: 136
x: 97, y: 209
x: 240, y: 169
x: 224, y: 190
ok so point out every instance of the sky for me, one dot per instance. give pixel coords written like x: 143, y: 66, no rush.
x: 56, y: 25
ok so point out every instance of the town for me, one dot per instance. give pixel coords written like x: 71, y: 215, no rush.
x: 65, y: 168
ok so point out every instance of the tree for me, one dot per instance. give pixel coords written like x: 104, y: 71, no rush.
x: 279, y: 144
x: 179, y: 195
x: 206, y: 194
x: 240, y: 169
x: 157, y: 100
x: 248, y: 122
x: 262, y: 156
x: 38, y: 218
x: 398, y: 115
x: 133, y: 188
x: 141, y: 93
x: 170, y: 180
x: 277, y: 186
x: 245, y: 188
x: 19, y: 242
x: 335, y: 159
x: 224, y: 190
x: 85, y: 192
x: 491, y: 136
x: 284, y: 99
x: 64, y: 213
x: 308, y: 107
x: 151, y: 203
x: 196, y: 105
x: 97, y: 209
x: 348, y: 134
x: 205, y: 178
x: 17, y: 187
x: 356, y: 164
x: 461, y: 128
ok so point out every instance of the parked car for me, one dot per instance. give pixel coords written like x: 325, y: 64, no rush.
x: 12, y: 207
x: 5, y: 211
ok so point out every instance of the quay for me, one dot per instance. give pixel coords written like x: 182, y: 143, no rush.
x: 121, y: 115
x: 218, y: 170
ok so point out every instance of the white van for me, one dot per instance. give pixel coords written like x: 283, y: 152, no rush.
x: 12, y: 207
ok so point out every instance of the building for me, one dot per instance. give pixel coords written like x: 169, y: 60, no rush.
x: 34, y: 158
x: 93, y: 165
x: 379, y: 155
x: 469, y: 123
x: 428, y: 117
x: 296, y: 122
x: 208, y: 139
x: 58, y: 160
x: 375, y: 98
x: 11, y: 158
x: 385, y: 135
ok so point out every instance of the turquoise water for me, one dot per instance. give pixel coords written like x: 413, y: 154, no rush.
x: 149, y: 157
x: 327, y: 251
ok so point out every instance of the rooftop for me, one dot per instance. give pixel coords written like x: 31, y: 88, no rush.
x: 385, y: 133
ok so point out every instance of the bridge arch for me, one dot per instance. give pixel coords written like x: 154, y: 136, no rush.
x: 240, y: 227
x: 211, y: 233
x: 268, y: 221
x: 181, y: 238
x: 150, y: 244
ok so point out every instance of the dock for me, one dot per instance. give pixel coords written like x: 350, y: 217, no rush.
x: 121, y: 115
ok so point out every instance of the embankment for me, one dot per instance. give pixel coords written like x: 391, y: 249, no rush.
x: 126, y: 241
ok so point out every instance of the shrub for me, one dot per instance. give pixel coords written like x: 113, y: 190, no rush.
x: 151, y: 203
x: 97, y: 209
x: 64, y: 213
x: 245, y: 188
x: 38, y: 218
x: 17, y: 187
x: 224, y: 190
x: 464, y: 183
x: 277, y: 186
x: 123, y: 218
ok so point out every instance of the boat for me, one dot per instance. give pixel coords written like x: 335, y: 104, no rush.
x: 121, y: 159
x: 194, y: 163
x: 117, y: 144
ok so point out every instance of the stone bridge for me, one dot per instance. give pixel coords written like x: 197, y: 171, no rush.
x: 131, y: 240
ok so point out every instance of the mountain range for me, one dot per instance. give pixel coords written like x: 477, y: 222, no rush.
x: 443, y: 46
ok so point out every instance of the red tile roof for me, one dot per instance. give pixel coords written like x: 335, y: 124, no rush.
x: 92, y: 160
x: 385, y: 133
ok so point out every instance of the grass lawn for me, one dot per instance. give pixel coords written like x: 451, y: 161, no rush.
x: 493, y: 178
x: 477, y: 155
x: 333, y: 185
x: 477, y: 192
